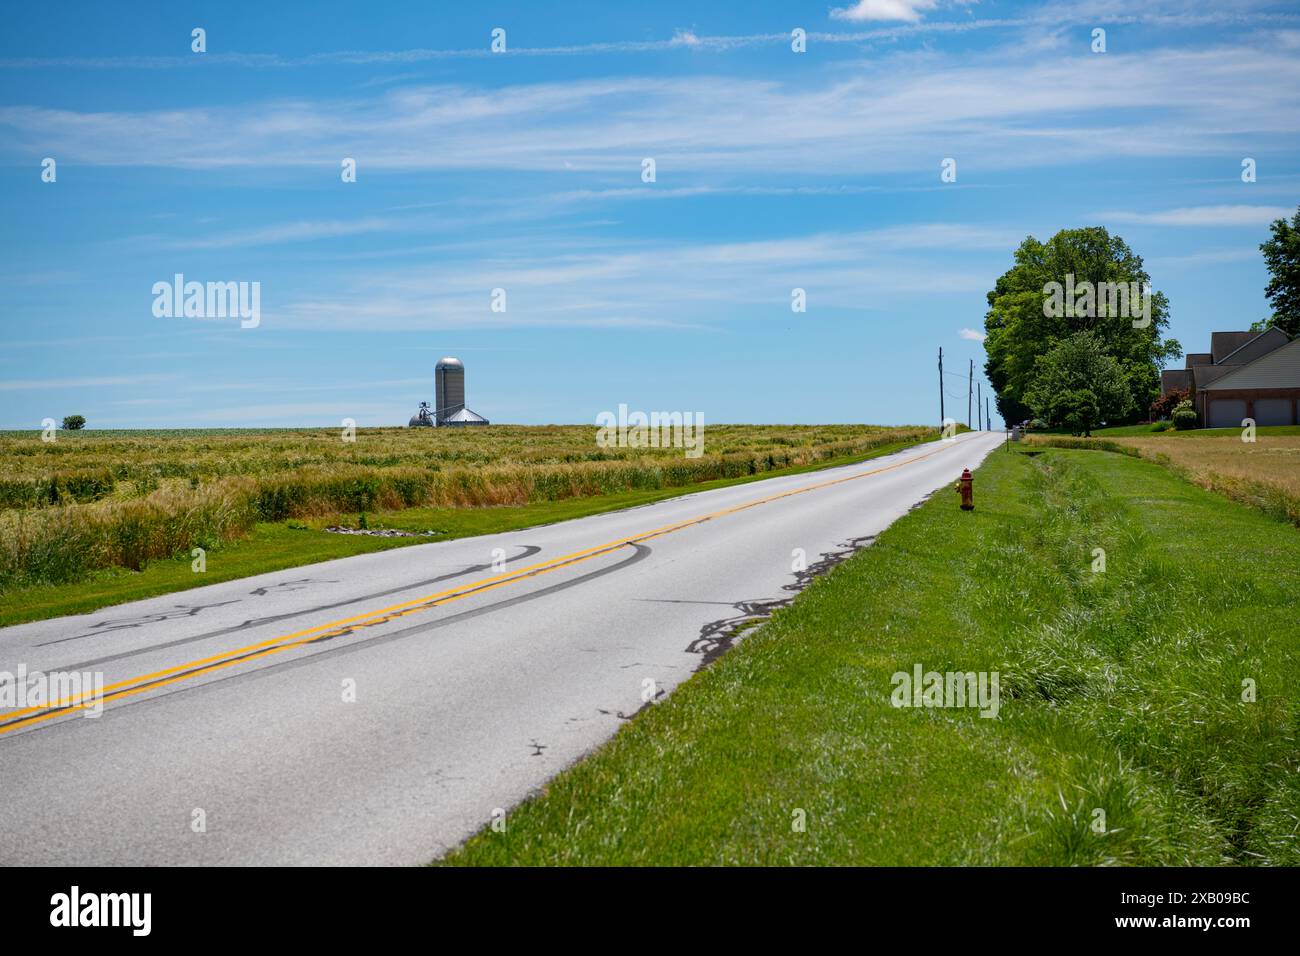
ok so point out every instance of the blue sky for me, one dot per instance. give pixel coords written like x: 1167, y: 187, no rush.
x: 523, y: 171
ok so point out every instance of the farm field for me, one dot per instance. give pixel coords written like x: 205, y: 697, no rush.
x: 96, y: 509
x: 1131, y: 431
x: 1121, y: 698
x: 1264, y: 473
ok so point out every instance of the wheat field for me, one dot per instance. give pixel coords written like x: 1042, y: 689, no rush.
x: 91, y: 500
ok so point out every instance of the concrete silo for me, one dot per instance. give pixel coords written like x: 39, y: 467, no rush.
x: 449, y: 388
x: 449, y: 395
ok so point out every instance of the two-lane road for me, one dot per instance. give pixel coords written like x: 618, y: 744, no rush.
x: 379, y: 709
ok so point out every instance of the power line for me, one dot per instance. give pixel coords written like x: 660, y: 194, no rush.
x: 942, y: 416
x: 970, y: 381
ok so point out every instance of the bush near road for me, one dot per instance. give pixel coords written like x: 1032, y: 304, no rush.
x: 1121, y: 692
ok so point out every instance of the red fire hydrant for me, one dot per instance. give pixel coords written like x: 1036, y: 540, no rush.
x: 965, y: 485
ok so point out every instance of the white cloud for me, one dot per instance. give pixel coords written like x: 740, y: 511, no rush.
x: 1000, y: 110
x: 909, y: 10
x: 971, y: 335
x: 1228, y: 215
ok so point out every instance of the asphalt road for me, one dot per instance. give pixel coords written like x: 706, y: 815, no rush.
x: 379, y: 709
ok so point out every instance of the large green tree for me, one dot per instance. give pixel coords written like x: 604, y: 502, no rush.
x: 1282, y: 256
x: 1077, y: 385
x: 1021, y: 326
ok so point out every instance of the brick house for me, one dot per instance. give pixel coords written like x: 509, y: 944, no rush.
x: 1244, y: 375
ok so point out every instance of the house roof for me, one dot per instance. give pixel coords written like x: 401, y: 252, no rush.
x: 1203, y: 375
x: 1261, y: 344
x: 1223, y: 344
x: 1279, y: 368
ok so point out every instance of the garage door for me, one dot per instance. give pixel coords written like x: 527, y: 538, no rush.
x: 1273, y: 411
x: 1227, y: 412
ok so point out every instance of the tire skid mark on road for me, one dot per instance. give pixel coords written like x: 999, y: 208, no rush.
x: 640, y: 552
x: 171, y: 675
x: 528, y: 550
x: 136, y: 685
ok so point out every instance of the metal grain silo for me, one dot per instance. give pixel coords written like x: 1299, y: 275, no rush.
x: 449, y: 388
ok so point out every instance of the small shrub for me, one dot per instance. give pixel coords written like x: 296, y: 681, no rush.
x: 1184, y: 416
x: 1164, y: 406
x: 74, y: 422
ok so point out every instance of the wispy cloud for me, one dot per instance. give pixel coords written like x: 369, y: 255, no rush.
x: 277, y: 413
x: 1227, y: 215
x: 971, y: 335
x: 1198, y: 260
x: 32, y: 384
x: 579, y: 283
x: 906, y: 16
x: 305, y: 231
x: 896, y: 113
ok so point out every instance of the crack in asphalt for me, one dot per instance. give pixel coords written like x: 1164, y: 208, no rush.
x: 659, y: 692
x: 718, y: 637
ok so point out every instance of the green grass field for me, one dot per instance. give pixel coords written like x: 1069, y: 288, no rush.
x: 275, y: 546
x: 1122, y: 735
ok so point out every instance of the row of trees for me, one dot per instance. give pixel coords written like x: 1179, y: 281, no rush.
x: 1079, y: 365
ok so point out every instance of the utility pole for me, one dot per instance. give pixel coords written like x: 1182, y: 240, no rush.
x: 941, y: 414
x: 979, y: 403
x: 970, y: 381
x: 988, y: 422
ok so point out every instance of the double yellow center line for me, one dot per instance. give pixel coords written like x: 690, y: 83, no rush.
x: 171, y: 675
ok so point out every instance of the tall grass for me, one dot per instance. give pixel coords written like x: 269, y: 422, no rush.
x: 119, y: 512
x: 142, y: 458
x: 61, y: 544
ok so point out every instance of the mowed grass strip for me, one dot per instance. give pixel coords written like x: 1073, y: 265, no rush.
x: 1264, y: 473
x: 1121, y: 692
